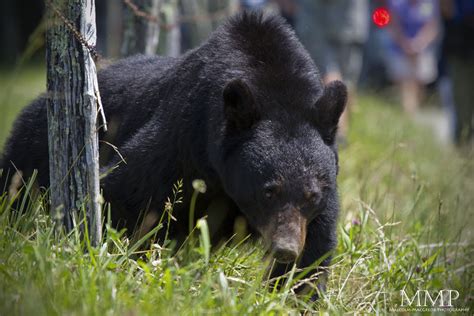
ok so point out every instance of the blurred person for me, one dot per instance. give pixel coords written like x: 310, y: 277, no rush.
x: 311, y: 28
x: 445, y: 90
x: 347, y: 34
x: 335, y: 32
x: 411, y: 55
x: 458, y: 47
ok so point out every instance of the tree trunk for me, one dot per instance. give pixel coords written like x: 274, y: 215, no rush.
x: 170, y: 38
x: 73, y: 99
x: 141, y: 35
x: 114, y: 26
x: 195, y: 32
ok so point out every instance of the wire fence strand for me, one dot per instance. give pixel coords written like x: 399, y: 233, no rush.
x: 195, y: 18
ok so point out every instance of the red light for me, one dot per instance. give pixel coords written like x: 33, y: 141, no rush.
x: 381, y: 17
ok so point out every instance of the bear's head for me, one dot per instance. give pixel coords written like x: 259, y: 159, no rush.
x: 279, y: 161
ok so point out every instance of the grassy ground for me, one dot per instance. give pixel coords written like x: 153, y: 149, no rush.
x: 17, y: 88
x: 406, y: 224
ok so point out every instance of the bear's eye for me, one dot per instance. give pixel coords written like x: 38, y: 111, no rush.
x: 270, y: 191
x: 313, y: 196
x: 310, y: 195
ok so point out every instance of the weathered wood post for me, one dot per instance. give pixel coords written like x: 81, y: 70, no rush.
x: 73, y: 99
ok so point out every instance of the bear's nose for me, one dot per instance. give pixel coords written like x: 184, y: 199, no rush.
x: 285, y: 254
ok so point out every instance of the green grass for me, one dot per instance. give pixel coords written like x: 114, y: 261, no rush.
x: 17, y: 88
x: 406, y: 223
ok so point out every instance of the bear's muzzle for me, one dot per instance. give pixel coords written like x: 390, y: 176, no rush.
x: 286, y: 235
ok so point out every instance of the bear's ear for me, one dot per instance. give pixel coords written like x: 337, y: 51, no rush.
x: 240, y: 108
x: 329, y: 108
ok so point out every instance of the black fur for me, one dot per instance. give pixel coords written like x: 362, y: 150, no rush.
x: 243, y: 111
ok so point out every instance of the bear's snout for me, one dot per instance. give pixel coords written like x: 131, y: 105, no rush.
x: 289, y: 235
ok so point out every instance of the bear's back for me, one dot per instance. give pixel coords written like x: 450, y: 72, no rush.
x: 125, y: 88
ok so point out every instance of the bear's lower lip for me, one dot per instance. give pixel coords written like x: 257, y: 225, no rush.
x: 284, y: 261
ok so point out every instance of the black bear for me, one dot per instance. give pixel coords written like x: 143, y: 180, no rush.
x: 246, y: 112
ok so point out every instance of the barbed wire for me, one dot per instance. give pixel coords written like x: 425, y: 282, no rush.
x: 140, y: 13
x: 95, y: 55
x: 195, y: 18
x: 70, y: 26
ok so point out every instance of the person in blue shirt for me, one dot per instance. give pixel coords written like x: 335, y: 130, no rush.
x: 411, y: 59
